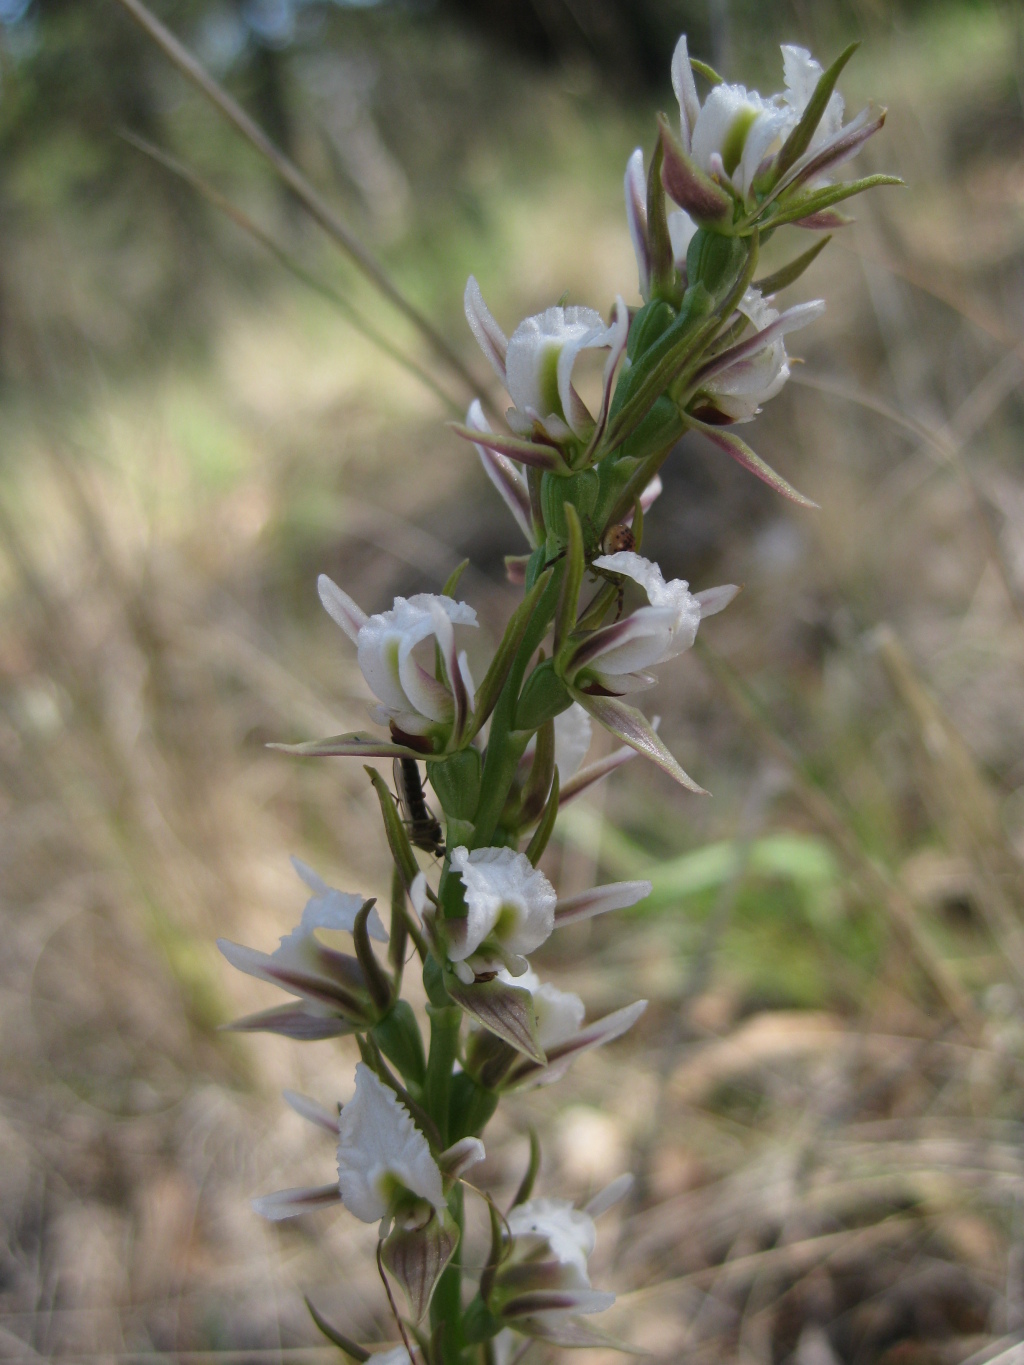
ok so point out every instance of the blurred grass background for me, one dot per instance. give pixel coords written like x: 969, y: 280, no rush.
x: 824, y: 1101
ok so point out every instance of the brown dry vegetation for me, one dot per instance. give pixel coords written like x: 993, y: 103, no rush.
x: 824, y: 1101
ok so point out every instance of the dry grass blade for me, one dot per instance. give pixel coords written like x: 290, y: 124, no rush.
x: 308, y: 197
x: 294, y: 267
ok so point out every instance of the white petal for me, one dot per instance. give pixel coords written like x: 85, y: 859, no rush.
x: 802, y: 74
x: 340, y: 607
x: 714, y: 600
x: 397, y: 1355
x: 686, y: 90
x: 333, y: 909
x: 490, y: 338
x: 418, y: 893
x: 458, y: 1158
x: 573, y: 732
x: 312, y: 878
x: 560, y: 1014
x: 313, y: 1111
x: 290, y: 1203
x: 610, y: 1195
x: 636, y: 216
x: 502, y: 473
x: 681, y: 231
x: 378, y: 1144
x: 600, y: 900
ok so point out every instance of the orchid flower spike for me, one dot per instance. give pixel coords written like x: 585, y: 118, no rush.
x: 510, y: 912
x: 413, y: 700
x: 334, y: 995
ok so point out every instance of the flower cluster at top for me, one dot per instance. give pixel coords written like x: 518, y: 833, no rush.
x: 704, y: 349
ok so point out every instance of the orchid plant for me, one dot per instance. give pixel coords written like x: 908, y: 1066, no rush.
x: 704, y: 349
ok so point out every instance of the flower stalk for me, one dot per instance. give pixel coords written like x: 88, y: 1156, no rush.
x: 482, y: 769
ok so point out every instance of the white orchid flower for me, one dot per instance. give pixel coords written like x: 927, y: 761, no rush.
x: 606, y: 664
x: 510, y: 912
x: 413, y: 701
x: 731, y: 134
x: 385, y: 1166
x: 617, y: 657
x: 560, y: 1028
x: 543, y: 1286
x: 736, y: 134
x: 536, y: 364
x: 743, y: 377
x: 330, y: 985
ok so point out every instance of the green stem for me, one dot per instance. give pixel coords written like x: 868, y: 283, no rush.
x: 504, y: 746
x: 444, y: 1044
x: 446, y: 1304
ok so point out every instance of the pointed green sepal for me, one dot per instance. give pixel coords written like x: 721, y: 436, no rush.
x: 543, y: 697
x: 533, y: 1166
x: 332, y: 1334
x: 543, y: 832
x: 808, y: 205
x: 503, y: 1009
x: 735, y: 446
x: 692, y: 189
x: 538, y: 784
x: 377, y: 981
x: 789, y: 273
x: 659, y: 243
x: 417, y: 1256
x: 398, y: 1037
x: 494, y: 680
x: 394, y: 828
x: 452, y: 581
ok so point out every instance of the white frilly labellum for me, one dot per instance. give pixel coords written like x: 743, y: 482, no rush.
x: 410, y: 694
x: 508, y: 902
x: 381, y: 1153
